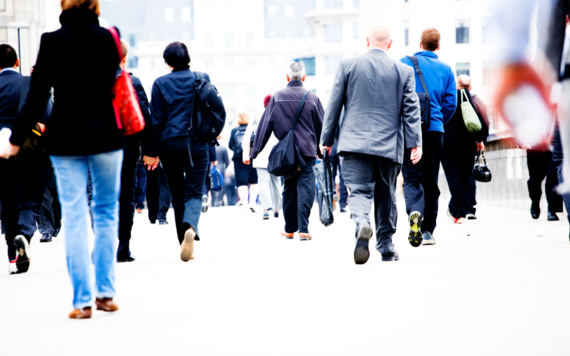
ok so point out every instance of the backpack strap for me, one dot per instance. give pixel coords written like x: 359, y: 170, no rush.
x: 416, y: 64
x: 301, y: 103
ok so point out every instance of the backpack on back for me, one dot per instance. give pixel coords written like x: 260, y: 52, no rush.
x: 425, y: 101
x: 238, y: 148
x: 208, y: 114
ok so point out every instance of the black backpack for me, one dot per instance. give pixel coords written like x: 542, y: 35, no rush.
x: 425, y: 101
x: 238, y: 148
x: 208, y: 114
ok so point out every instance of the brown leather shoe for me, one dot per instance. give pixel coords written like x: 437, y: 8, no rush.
x: 287, y: 235
x: 84, y: 313
x: 303, y: 236
x: 106, y: 304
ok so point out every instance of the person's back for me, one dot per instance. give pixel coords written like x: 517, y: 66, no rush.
x: 10, y: 86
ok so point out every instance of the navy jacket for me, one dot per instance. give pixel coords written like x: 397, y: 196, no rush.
x: 278, y: 118
x: 132, y: 144
x: 83, y: 119
x: 171, y: 107
x: 233, y: 142
x: 10, y: 89
x: 455, y: 129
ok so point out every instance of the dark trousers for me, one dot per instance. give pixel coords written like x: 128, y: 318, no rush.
x: 298, y: 197
x: 372, y: 179
x: 140, y: 187
x: 337, y: 166
x: 127, y: 203
x: 420, y: 180
x: 457, y: 161
x: 186, y: 181
x: 9, y: 202
x: 157, y: 194
x: 540, y: 166
x: 471, y: 195
x: 50, y: 211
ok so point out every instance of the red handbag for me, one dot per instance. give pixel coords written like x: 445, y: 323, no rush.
x: 126, y: 101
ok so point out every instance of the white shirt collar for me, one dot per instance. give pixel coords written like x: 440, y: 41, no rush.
x: 381, y: 49
x: 8, y: 69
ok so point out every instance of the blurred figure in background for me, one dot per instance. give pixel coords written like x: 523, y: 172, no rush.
x: 246, y: 175
x: 140, y: 186
x: 223, y: 163
x: 158, y: 195
x: 270, y: 187
x: 540, y: 166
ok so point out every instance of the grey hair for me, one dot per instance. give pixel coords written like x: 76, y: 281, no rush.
x: 296, y: 71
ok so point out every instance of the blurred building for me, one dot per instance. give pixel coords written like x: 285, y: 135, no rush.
x: 245, y: 45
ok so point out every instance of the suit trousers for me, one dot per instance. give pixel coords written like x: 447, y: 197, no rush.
x: 186, y: 181
x: 9, y: 202
x: 157, y: 194
x: 372, y: 179
x: 336, y: 161
x: 298, y: 198
x: 457, y: 161
x: 540, y: 166
x: 420, y: 180
x: 140, y: 187
x: 270, y: 190
x: 50, y: 212
x: 127, y: 203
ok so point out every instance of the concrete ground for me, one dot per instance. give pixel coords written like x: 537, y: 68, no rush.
x: 496, y: 286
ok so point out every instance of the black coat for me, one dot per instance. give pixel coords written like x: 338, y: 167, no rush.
x: 10, y: 89
x: 80, y: 62
x: 171, y: 107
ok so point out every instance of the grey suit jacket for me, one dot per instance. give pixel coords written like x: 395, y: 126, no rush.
x: 382, y: 112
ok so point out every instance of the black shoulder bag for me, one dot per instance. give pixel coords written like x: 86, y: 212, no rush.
x: 425, y: 101
x: 284, y: 159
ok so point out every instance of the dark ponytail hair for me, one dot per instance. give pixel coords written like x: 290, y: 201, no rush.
x: 176, y: 55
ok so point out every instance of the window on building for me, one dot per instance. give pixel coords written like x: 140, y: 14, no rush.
x: 462, y: 69
x: 3, y: 34
x: 133, y: 62
x: 250, y: 63
x: 462, y: 31
x: 332, y: 63
x: 486, y: 27
x: 229, y: 39
x: 250, y: 39
x: 2, y: 5
x: 289, y: 11
x: 209, y: 63
x: 209, y: 39
x: 333, y: 32
x: 230, y: 63
x: 169, y: 15
x: 309, y: 63
x: 186, y: 15
x: 272, y: 11
x: 355, y: 30
x: 333, y: 4
x: 132, y: 40
x: 355, y: 3
x: 289, y: 34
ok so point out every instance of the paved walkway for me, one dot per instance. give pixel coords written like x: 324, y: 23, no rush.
x: 496, y: 286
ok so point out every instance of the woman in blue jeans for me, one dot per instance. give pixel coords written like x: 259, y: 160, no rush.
x: 81, y: 135
x: 184, y: 158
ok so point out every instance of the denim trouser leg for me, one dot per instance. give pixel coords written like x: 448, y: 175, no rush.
x: 71, y: 174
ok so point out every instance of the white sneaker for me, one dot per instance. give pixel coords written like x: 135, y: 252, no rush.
x: 12, y: 268
x: 459, y: 221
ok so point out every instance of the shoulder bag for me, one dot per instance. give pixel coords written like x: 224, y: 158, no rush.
x: 425, y: 101
x: 470, y: 118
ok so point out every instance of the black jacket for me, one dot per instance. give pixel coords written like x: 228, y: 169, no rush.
x: 171, y: 107
x: 80, y: 62
x: 278, y: 118
x: 133, y: 143
x: 10, y: 89
x: 455, y: 128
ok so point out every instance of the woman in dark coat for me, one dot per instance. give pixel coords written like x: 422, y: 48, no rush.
x: 184, y: 159
x: 80, y: 61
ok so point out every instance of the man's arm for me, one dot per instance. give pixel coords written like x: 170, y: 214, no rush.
x: 319, y: 114
x: 449, y: 102
x: 158, y: 114
x: 411, y: 115
x: 264, y: 129
x: 246, y: 142
x: 332, y: 114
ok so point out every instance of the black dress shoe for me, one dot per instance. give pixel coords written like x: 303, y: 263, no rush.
x: 56, y: 232
x: 552, y: 216
x: 128, y: 259
x: 361, y: 252
x: 389, y: 253
x: 535, y: 211
x: 45, y: 238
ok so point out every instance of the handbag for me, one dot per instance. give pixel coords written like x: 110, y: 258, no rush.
x: 424, y: 99
x: 481, y: 172
x: 326, y: 194
x: 125, y: 101
x: 285, y: 159
x: 216, y: 179
x: 470, y: 117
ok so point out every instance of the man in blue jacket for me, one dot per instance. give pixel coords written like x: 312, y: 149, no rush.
x: 420, y: 180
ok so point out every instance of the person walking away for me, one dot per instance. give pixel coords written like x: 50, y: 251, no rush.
x: 82, y: 134
x: 132, y: 153
x: 185, y: 159
x: 213, y: 162
x: 246, y: 175
x: 420, y: 180
x: 223, y: 163
x: 374, y: 137
x: 298, y: 190
x: 270, y: 187
x: 459, y: 148
x: 540, y: 166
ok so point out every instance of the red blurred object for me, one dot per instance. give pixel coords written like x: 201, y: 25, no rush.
x: 126, y: 102
x: 266, y: 100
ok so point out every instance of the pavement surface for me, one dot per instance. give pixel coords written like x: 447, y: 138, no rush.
x: 499, y: 285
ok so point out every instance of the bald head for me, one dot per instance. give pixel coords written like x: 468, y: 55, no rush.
x: 380, y: 36
x: 464, y: 82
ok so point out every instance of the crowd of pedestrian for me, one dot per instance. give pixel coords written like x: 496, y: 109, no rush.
x: 68, y: 161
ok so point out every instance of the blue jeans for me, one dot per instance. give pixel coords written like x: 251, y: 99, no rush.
x: 71, y: 174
